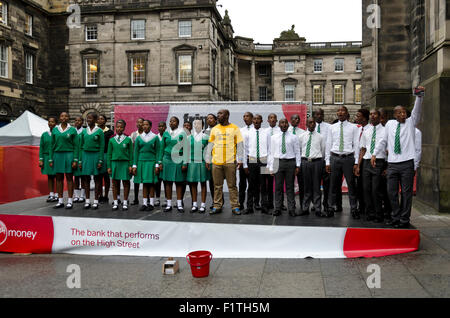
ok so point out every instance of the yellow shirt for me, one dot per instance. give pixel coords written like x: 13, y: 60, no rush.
x: 225, y: 139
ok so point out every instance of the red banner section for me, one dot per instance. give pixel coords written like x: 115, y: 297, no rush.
x: 26, y: 234
x: 20, y: 175
x: 380, y: 242
x: 131, y: 113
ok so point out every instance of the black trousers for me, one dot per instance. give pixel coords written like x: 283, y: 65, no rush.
x: 267, y: 187
x: 255, y: 188
x: 360, y: 189
x: 342, y: 167
x: 312, y: 172
x: 387, y: 210
x: 401, y: 174
x: 326, y: 186
x: 372, y: 188
x: 285, y: 175
x: 242, y: 186
x: 301, y: 188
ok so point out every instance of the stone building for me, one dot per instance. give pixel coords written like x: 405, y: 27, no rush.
x: 410, y: 47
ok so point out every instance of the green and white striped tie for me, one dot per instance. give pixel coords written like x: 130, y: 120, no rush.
x: 397, y: 145
x: 308, y: 145
x: 341, y: 141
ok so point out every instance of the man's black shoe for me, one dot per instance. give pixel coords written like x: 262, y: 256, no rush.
x: 257, y: 207
x: 338, y: 209
x: 283, y: 208
x: 391, y: 222
x: 304, y: 212
x: 402, y: 225
x: 135, y: 202
x: 370, y: 218
x: 270, y: 206
x: 355, y: 214
x: 329, y: 213
x: 292, y: 213
x: 276, y: 213
x: 264, y: 210
x: 318, y: 214
x: 248, y: 211
x: 378, y: 220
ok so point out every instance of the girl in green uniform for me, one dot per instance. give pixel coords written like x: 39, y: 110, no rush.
x: 120, y: 162
x: 64, y: 157
x: 145, y: 165
x: 101, y: 123
x: 173, y: 164
x: 44, y: 153
x: 197, y: 171
x: 92, y: 144
x: 162, y: 126
x: 79, y: 195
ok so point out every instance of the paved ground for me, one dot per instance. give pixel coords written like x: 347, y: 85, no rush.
x: 425, y: 273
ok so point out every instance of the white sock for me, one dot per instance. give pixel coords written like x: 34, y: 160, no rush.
x: 60, y: 200
x: 169, y: 203
x: 179, y: 203
x: 194, y: 204
x: 56, y: 195
x: 88, y: 201
x: 145, y: 201
x: 203, y: 204
x: 152, y: 201
x: 118, y: 197
x: 125, y: 202
x: 95, y: 201
x: 83, y: 193
x: 52, y: 194
x: 115, y: 202
x: 70, y: 201
x: 76, y: 193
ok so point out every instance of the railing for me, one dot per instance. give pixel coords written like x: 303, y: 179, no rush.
x: 263, y: 47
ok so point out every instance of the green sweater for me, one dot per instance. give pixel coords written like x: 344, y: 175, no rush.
x: 93, y: 142
x: 168, y: 143
x: 66, y: 141
x: 197, y: 148
x: 146, y: 151
x: 45, y: 145
x: 122, y: 151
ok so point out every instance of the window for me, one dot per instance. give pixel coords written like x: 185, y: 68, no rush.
x: 29, y: 24
x: 3, y: 12
x: 289, y: 66
x: 185, y: 69
x: 213, y: 67
x: 138, y: 29
x: 263, y: 94
x: 29, y: 68
x: 358, y: 64
x: 3, y: 61
x: 91, y: 32
x: 339, y: 65
x: 317, y: 94
x: 339, y: 94
x: 91, y: 72
x: 137, y: 71
x: 318, y: 65
x: 184, y: 29
x: 289, y: 93
x: 263, y: 70
x: 358, y: 94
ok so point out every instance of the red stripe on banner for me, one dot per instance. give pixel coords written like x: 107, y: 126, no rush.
x: 380, y: 242
x: 131, y: 113
x: 296, y: 109
x: 26, y: 234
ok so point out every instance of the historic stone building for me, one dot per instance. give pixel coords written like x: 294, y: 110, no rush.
x: 160, y: 50
x: 410, y: 47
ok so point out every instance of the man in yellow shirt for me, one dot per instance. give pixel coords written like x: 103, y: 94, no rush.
x: 227, y: 148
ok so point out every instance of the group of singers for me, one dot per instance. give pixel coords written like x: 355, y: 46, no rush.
x: 378, y: 159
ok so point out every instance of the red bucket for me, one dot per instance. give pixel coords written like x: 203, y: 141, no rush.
x: 199, y: 261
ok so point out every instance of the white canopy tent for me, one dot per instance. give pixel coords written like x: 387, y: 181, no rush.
x: 24, y: 131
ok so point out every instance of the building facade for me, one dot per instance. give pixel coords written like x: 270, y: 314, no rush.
x: 410, y: 47
x: 160, y: 50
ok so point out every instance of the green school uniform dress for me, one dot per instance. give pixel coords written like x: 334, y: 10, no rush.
x: 108, y: 133
x: 145, y: 158
x: 64, y: 149
x: 120, y: 157
x: 44, y: 153
x: 77, y: 171
x: 197, y: 171
x: 92, y: 144
x: 172, y: 169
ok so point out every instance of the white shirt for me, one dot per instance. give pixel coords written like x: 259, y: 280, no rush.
x: 273, y: 130
x: 366, y: 140
x: 418, y: 147
x: 361, y: 130
x: 292, y: 149
x: 134, y: 135
x: 317, y: 145
x: 250, y: 144
x: 324, y: 127
x: 407, y: 136
x: 298, y: 131
x: 351, y: 140
x: 79, y: 131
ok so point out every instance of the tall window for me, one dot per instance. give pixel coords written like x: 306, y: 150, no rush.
x: 289, y: 93
x: 263, y: 94
x: 29, y: 24
x: 3, y: 12
x: 91, y: 32
x: 137, y: 71
x: 263, y: 70
x: 358, y: 64
x: 339, y: 65
x: 185, y: 29
x: 91, y: 65
x: 317, y: 94
x: 185, y: 69
x: 358, y: 93
x: 339, y: 94
x: 213, y: 67
x: 138, y: 29
x: 29, y: 68
x: 3, y: 61
x: 289, y: 66
x: 318, y: 65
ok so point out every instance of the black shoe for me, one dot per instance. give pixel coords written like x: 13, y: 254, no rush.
x: 157, y: 203
x: 59, y: 206
x: 270, y: 206
x: 292, y: 213
x: 115, y: 207
x: 264, y: 210
x: 257, y: 207
x: 143, y: 208
x: 241, y: 207
x: 69, y: 206
x: 87, y: 206
x: 313, y: 209
x: 355, y: 214
x: 125, y: 208
x: 329, y: 213
x: 201, y: 210
x: 391, y: 222
x: 81, y: 200
x: 370, y: 218
x: 378, y: 220
x: 305, y: 212
x: 283, y: 208
x: 168, y: 209
x: 150, y: 207
x: 248, y: 211
x: 135, y: 202
x: 55, y: 199
x: 276, y: 213
x: 95, y: 206
x: 318, y: 214
x: 194, y: 209
x: 338, y: 209
x: 50, y: 199
x: 180, y: 209
x: 402, y: 225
